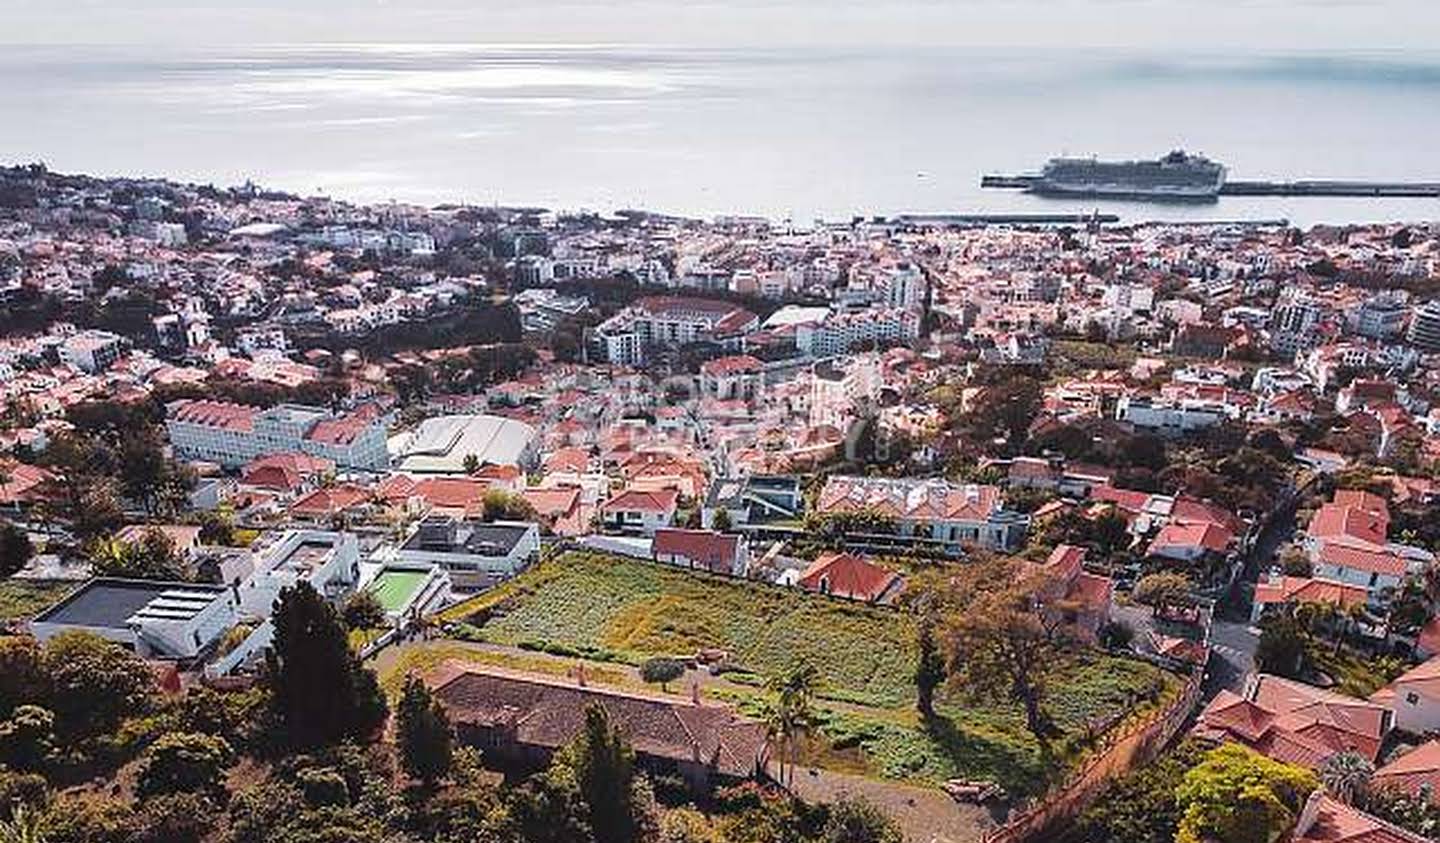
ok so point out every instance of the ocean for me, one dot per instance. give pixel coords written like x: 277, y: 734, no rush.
x: 784, y: 133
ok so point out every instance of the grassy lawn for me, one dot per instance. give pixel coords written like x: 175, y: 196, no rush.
x: 22, y: 600
x: 625, y: 610
x: 981, y: 739
x: 1095, y: 355
x: 392, y: 669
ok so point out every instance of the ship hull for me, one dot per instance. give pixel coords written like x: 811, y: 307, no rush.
x: 1122, y: 193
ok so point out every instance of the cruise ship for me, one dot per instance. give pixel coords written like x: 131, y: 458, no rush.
x: 1179, y: 177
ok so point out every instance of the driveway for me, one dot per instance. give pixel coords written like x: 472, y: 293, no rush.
x: 925, y: 815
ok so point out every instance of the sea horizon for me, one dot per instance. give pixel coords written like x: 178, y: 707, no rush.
x: 701, y: 131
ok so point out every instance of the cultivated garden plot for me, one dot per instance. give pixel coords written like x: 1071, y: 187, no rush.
x: 608, y: 609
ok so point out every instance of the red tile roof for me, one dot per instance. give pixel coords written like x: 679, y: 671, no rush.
x: 732, y: 365
x: 1334, y: 520
x: 1205, y: 535
x: 452, y: 492
x: 1308, y: 590
x: 1408, y: 772
x: 217, y: 414
x: 548, y: 713
x: 331, y: 500
x: 661, y: 501
x: 1336, y: 822
x: 1361, y: 556
x: 1296, y: 723
x: 714, y: 551
x: 845, y: 575
x: 342, y: 431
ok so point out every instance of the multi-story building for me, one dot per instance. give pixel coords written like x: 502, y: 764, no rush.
x: 1381, y: 317
x: 841, y: 331
x: 476, y: 555
x: 928, y: 511
x: 91, y: 351
x: 1169, y: 418
x: 671, y: 322
x: 1424, y: 331
x: 904, y: 286
x: 328, y: 561
x: 233, y: 434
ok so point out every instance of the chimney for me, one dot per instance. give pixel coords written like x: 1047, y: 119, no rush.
x: 695, y: 692
x: 1309, y: 814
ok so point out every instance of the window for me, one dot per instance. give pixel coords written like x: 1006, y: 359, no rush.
x: 1412, y: 698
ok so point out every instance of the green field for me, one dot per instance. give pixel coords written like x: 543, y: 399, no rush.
x: 22, y: 600
x: 624, y: 610
x: 395, y: 588
x: 628, y: 610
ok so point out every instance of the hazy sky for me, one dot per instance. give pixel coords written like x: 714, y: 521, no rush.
x: 1199, y: 24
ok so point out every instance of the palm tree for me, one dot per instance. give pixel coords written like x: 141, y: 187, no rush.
x: 22, y: 827
x: 1355, y: 614
x: 1346, y: 775
x: 795, y: 692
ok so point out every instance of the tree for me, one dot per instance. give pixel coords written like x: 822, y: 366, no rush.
x: 1294, y: 562
x: 1139, y: 807
x: 96, y: 510
x: 94, y: 683
x: 1281, y: 649
x: 27, y: 738
x: 471, y: 464
x: 720, y: 521
x: 855, y: 821
x: 1239, y: 796
x: 662, y: 671
x: 1115, y: 635
x: 503, y: 506
x: 16, y: 551
x: 24, y: 826
x: 548, y: 808
x: 1346, y: 775
x: 152, y: 557
x: 184, y: 762
x: 1162, y: 591
x: 320, y: 690
x: 791, y: 714
x: 929, y: 668
x: 604, y: 766
x: 1000, y: 641
x: 23, y: 677
x: 362, y: 610
x: 423, y: 733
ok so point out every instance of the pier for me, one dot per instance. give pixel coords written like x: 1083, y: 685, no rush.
x: 1377, y: 189
x: 1004, y: 219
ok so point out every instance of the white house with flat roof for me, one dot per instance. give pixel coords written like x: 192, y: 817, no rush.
x: 159, y: 620
x: 476, y: 555
x: 329, y: 561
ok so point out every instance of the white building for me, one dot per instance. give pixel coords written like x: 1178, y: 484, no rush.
x: 903, y: 286
x: 475, y: 555
x: 1169, y: 418
x: 671, y: 322
x: 91, y: 351
x: 839, y: 332
x: 1381, y: 317
x: 441, y: 445
x: 161, y: 620
x: 233, y: 434
x: 1424, y: 331
x: 327, y: 560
